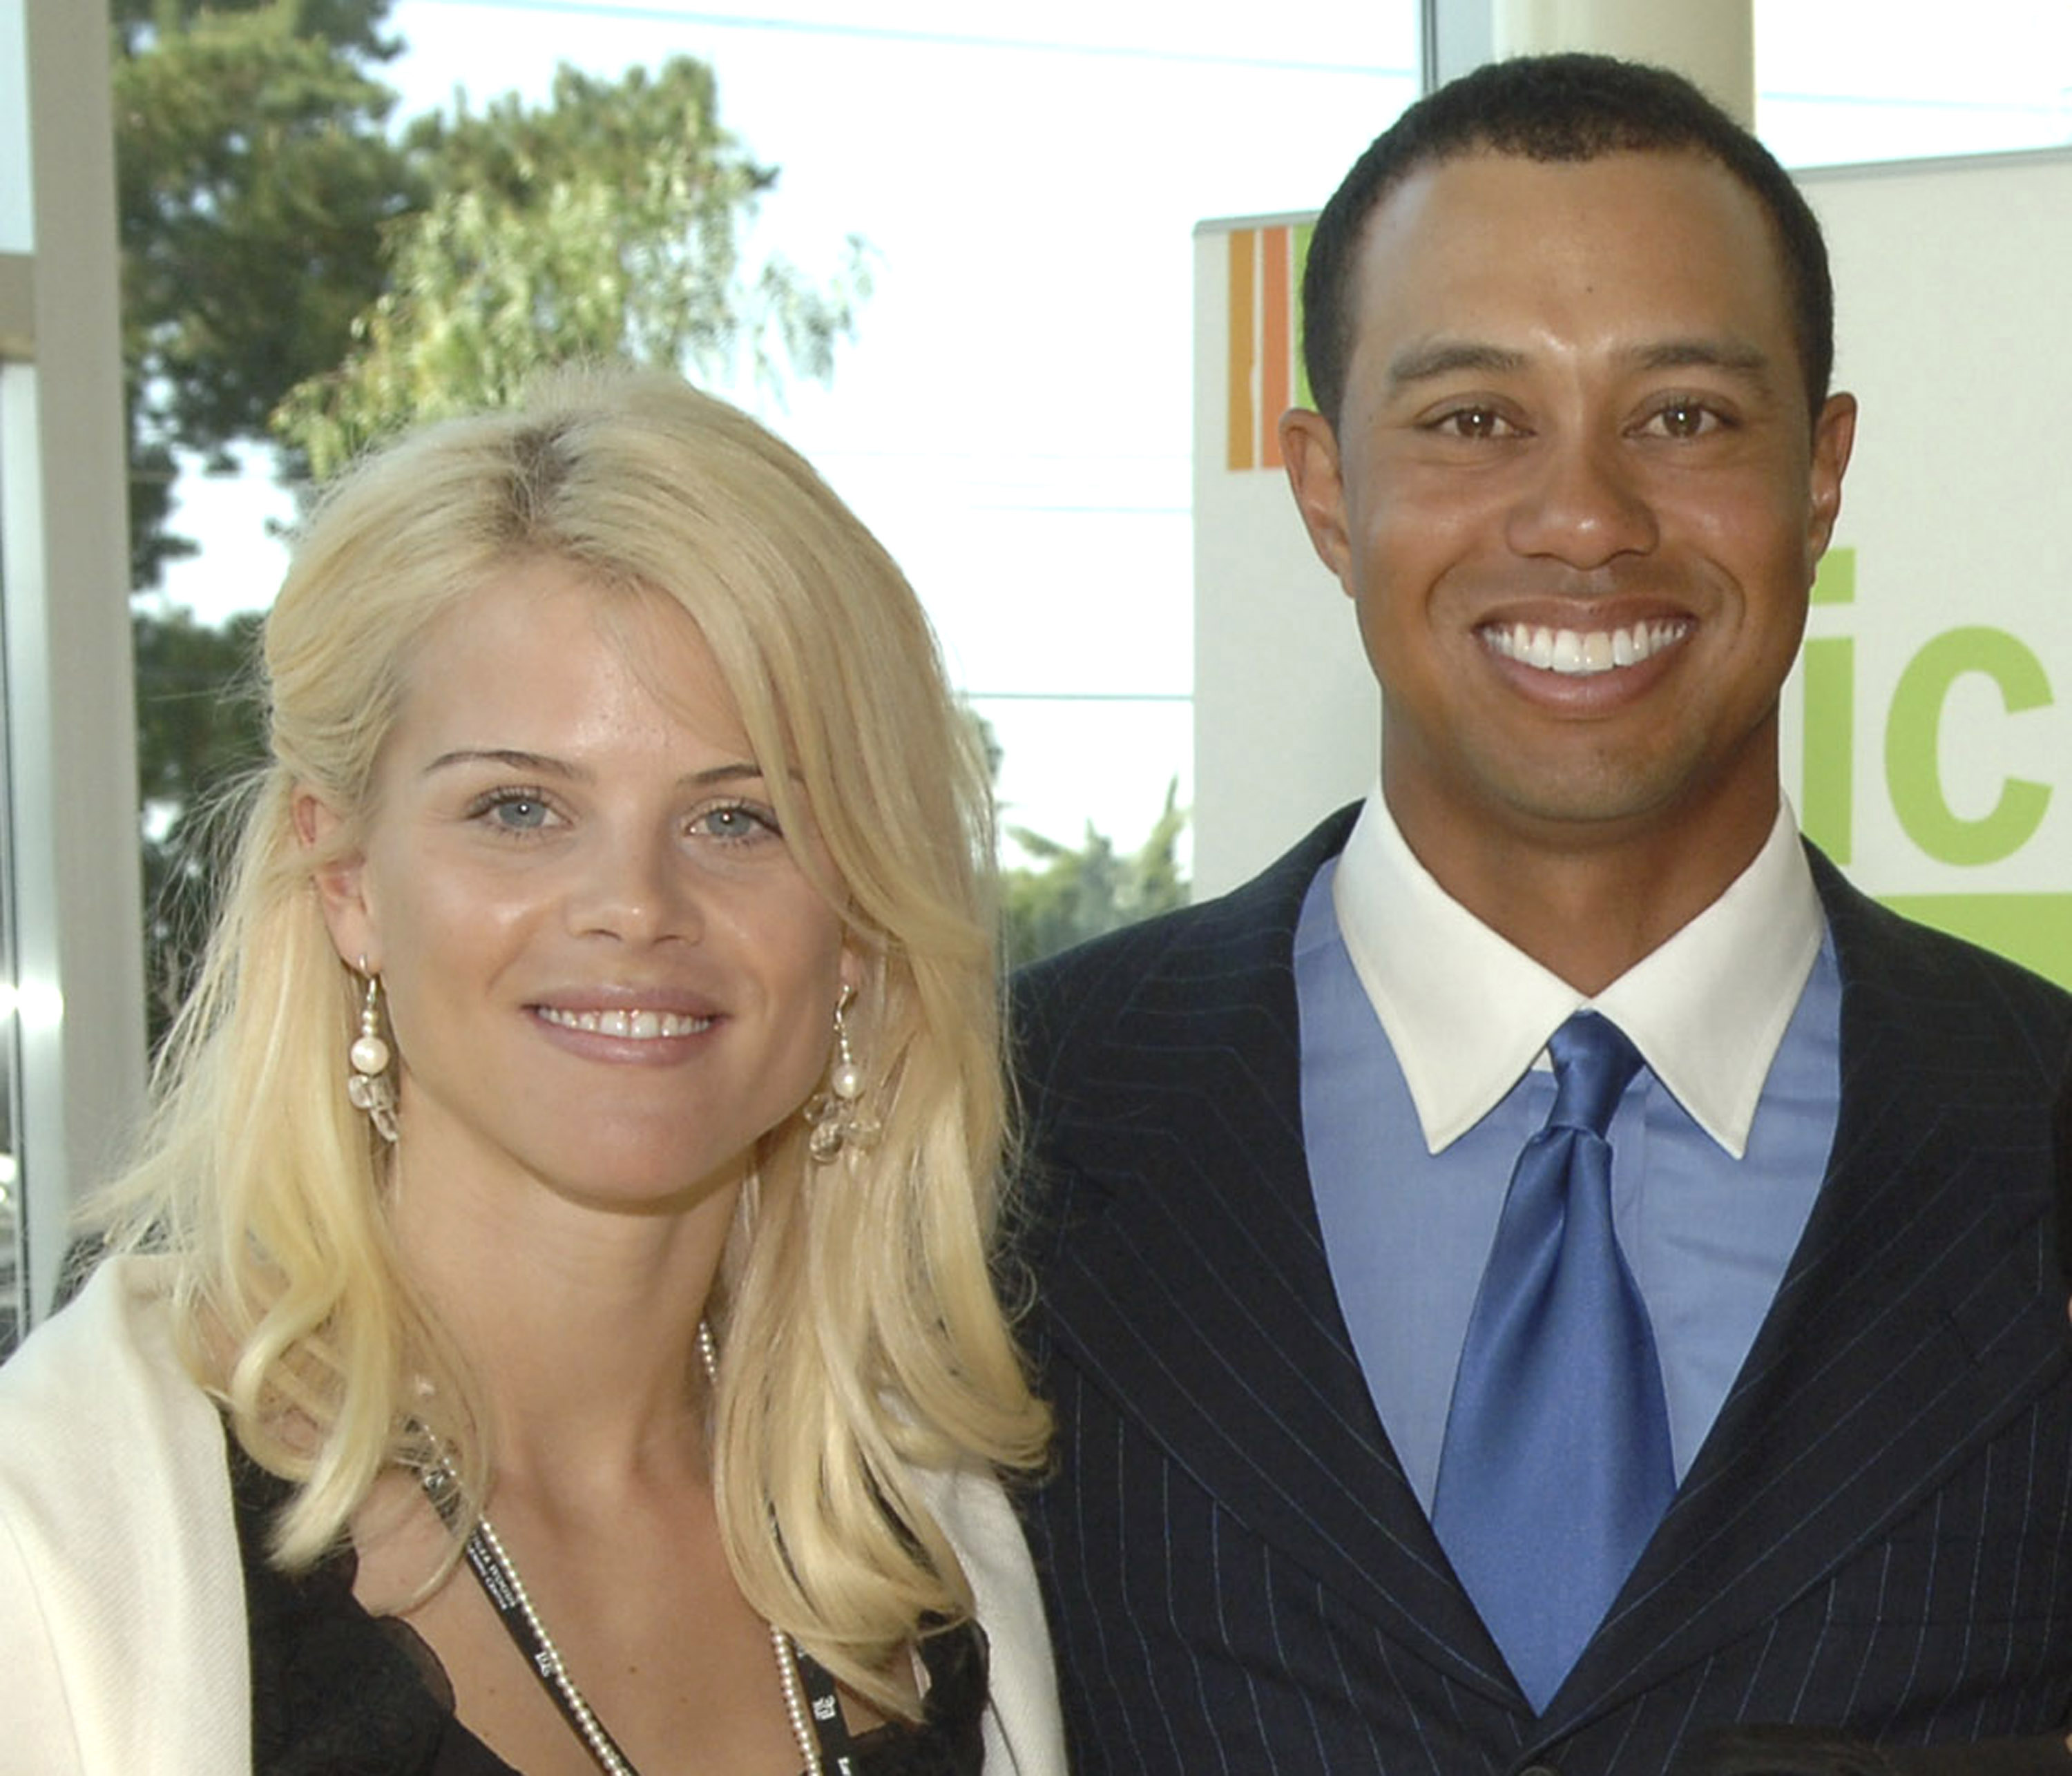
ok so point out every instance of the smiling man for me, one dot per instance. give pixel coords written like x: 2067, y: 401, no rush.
x: 1548, y: 1268
x: 1573, y: 488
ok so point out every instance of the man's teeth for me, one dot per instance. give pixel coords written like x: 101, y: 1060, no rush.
x: 1578, y: 653
x: 641, y: 1026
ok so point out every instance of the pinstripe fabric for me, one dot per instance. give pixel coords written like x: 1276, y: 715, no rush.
x: 1239, y: 1576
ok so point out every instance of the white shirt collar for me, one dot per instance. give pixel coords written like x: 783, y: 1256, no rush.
x: 1467, y: 1012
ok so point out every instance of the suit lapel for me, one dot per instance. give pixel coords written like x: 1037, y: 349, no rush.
x: 1193, y: 1285
x: 1906, y: 1330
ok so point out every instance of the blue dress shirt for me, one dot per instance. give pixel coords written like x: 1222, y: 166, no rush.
x: 1707, y: 1212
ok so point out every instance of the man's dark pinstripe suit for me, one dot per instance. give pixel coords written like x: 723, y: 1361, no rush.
x: 1240, y: 1580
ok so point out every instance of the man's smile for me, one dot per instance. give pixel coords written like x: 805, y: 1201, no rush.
x: 1580, y: 653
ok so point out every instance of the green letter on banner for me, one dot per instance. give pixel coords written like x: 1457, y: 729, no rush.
x: 1828, y: 771
x: 1827, y: 776
x: 1913, y: 748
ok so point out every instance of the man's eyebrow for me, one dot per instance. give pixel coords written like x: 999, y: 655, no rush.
x: 538, y: 764
x: 1699, y: 354
x: 1433, y: 358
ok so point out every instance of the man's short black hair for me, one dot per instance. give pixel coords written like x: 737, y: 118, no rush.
x: 1557, y: 108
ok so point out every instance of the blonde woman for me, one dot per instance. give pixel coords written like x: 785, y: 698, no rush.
x: 551, y: 1327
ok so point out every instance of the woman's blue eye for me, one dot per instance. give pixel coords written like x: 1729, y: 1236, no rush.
x: 521, y: 813
x: 734, y: 823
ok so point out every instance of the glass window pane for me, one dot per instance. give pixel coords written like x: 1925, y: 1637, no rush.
x: 14, y: 1267
x: 1843, y: 80
x: 15, y: 239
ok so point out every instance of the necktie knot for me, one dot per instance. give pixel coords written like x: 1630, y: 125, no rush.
x: 1593, y: 1064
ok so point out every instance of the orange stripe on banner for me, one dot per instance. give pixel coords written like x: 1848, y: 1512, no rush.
x: 1242, y: 452
x: 1303, y: 397
x: 1274, y: 358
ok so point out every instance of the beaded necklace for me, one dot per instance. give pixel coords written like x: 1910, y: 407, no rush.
x: 498, y: 1575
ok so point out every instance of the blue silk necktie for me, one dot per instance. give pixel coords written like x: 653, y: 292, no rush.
x: 1556, y: 1465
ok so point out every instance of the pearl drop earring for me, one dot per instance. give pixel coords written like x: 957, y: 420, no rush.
x: 367, y: 1086
x: 837, y: 1118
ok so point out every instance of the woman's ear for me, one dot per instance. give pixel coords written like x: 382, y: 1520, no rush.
x: 340, y: 883
x: 861, y: 968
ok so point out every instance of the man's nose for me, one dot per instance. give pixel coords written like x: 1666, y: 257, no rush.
x: 1582, y: 504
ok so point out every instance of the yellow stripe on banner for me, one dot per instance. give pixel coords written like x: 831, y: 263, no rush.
x: 1273, y: 354
x: 1244, y: 417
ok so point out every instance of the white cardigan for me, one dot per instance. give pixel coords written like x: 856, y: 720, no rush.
x: 123, y: 1643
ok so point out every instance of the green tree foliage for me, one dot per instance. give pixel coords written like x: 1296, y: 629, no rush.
x: 353, y: 25
x: 200, y: 727
x: 605, y: 225
x: 256, y: 187
x: 300, y: 273
x: 1072, y: 895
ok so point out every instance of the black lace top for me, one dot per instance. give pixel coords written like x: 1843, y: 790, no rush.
x: 336, y: 1691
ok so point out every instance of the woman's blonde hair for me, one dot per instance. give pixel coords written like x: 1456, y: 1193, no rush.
x: 860, y: 1331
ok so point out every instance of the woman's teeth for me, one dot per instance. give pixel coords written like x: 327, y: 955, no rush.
x: 640, y: 1025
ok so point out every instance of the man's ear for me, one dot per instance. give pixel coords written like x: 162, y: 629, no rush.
x: 1833, y: 436
x: 340, y: 883
x: 1310, y: 448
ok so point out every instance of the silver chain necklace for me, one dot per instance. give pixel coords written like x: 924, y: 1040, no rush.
x: 498, y: 1576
